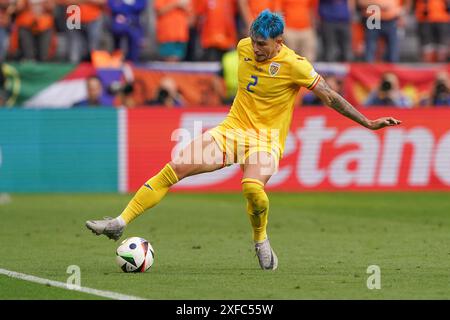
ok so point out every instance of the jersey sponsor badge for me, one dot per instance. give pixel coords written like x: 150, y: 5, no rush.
x: 274, y: 68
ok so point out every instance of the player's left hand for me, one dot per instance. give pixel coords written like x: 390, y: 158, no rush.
x: 383, y: 122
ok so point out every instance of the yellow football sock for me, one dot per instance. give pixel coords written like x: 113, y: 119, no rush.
x: 257, y: 207
x: 150, y: 194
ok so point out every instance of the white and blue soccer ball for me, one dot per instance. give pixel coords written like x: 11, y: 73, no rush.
x: 135, y: 255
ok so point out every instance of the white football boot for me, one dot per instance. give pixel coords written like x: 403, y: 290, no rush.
x: 267, y: 258
x: 110, y: 227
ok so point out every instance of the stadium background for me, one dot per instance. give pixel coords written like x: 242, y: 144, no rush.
x: 54, y: 139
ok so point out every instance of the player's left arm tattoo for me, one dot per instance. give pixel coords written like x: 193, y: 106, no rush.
x: 334, y: 100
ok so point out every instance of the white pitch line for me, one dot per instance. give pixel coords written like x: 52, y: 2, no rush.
x: 57, y: 284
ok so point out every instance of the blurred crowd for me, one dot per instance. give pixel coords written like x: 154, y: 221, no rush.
x: 203, y: 30
x: 389, y: 93
x: 208, y: 30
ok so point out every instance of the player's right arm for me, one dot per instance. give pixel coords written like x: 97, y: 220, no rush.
x: 304, y: 75
x: 334, y: 100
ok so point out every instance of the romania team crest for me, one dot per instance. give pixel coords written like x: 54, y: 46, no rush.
x: 274, y: 68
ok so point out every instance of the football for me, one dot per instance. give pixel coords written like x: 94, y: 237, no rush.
x: 135, y: 255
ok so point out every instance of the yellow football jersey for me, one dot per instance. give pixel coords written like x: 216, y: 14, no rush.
x: 267, y: 90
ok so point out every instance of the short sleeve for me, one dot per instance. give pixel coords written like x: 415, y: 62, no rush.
x: 303, y: 73
x: 241, y: 44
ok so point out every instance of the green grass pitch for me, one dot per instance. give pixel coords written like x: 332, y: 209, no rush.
x: 324, y: 241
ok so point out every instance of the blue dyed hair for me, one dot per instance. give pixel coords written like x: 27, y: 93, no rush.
x: 267, y: 24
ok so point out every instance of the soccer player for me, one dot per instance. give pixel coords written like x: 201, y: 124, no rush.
x: 253, y: 133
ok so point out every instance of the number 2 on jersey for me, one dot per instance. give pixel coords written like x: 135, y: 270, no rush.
x: 252, y: 84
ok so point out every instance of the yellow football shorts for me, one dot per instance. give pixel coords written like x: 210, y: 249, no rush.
x: 238, y: 145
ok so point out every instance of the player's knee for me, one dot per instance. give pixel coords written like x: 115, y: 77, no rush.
x: 181, y: 170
